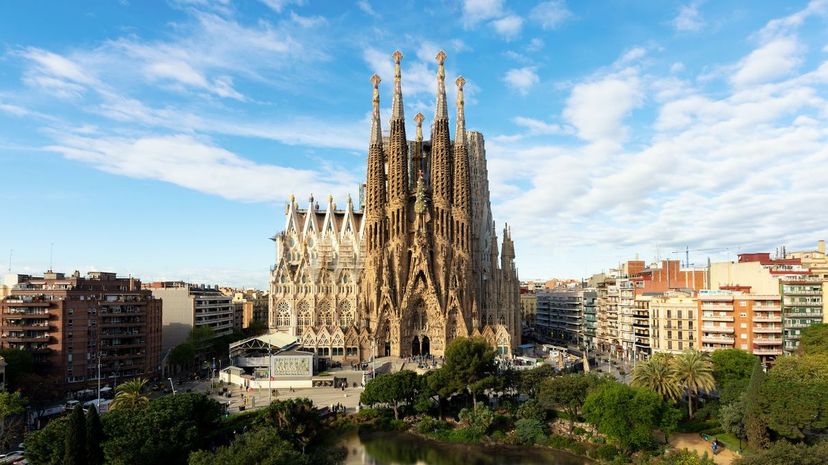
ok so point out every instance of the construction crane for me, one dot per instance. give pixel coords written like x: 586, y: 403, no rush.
x: 687, y: 250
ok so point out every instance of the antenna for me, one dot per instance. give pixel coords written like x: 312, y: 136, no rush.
x: 51, y: 254
x: 11, y: 251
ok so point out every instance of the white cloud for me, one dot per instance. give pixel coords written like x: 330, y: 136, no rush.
x: 783, y: 26
x: 508, y: 27
x: 689, y: 19
x: 279, y: 5
x: 596, y: 108
x: 307, y: 21
x: 676, y: 67
x: 521, y: 79
x: 195, y: 164
x: 771, y: 61
x: 535, y: 45
x: 550, y: 14
x: 475, y: 11
x: 536, y: 126
x: 366, y: 8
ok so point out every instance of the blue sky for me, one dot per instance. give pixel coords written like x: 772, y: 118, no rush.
x: 162, y: 139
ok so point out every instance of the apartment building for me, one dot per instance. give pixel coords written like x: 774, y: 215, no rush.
x: 803, y: 305
x: 187, y: 306
x: 815, y: 260
x: 673, y: 322
x: 528, y: 310
x: 559, y: 315
x: 607, y: 335
x: 734, y: 320
x: 590, y: 317
x: 626, y: 313
x: 643, y: 346
x: 73, y: 324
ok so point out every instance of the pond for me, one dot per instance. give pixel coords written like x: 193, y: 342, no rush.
x: 408, y: 449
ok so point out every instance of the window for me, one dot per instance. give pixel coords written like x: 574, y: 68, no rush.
x: 743, y: 303
x: 743, y: 325
x: 743, y: 336
x: 743, y: 314
x: 283, y: 315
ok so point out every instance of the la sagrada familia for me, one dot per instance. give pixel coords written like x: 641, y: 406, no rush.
x: 416, y: 265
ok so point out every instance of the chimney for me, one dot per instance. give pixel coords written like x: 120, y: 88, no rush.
x: 821, y: 246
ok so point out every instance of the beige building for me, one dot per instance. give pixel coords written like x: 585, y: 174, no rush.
x: 673, y: 320
x: 186, y: 306
x: 815, y: 260
x: 418, y: 265
x: 528, y: 309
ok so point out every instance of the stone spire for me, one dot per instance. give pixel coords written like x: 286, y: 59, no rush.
x: 376, y: 130
x: 397, y: 103
x: 460, y: 132
x: 462, y: 182
x: 398, y: 145
x: 441, y: 112
x: 375, y: 184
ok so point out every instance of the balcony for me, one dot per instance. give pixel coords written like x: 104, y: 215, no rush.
x: 718, y: 308
x: 717, y: 318
x: 767, y: 308
x: 26, y: 327
x: 718, y: 329
x: 767, y: 329
x: 795, y: 314
x: 26, y: 314
x: 766, y: 351
x: 27, y: 339
x: 719, y: 340
x: 767, y: 319
x: 767, y: 341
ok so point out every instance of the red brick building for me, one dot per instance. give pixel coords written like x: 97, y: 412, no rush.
x: 67, y: 323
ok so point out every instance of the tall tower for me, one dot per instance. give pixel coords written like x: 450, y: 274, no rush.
x: 374, y: 221
x: 397, y: 209
x: 462, y: 284
x: 441, y: 182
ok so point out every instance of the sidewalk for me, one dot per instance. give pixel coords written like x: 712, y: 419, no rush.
x: 693, y: 441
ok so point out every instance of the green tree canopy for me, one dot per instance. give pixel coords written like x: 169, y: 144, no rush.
x: 814, y: 340
x: 470, y: 362
x: 297, y: 420
x: 530, y: 380
x: 12, y: 409
x: 731, y: 370
x: 163, y: 432
x: 694, y: 372
x: 785, y: 453
x: 74, y: 443
x: 94, y: 437
x: 624, y: 414
x: 263, y: 446
x: 568, y: 393
x: 755, y: 425
x: 394, y: 389
x: 46, y: 445
x: 794, y: 398
x: 129, y: 395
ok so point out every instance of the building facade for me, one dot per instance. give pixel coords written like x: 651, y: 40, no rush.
x: 802, y: 306
x: 734, y: 320
x: 188, y: 306
x: 418, y: 265
x: 673, y: 322
x: 560, y: 316
x: 71, y: 324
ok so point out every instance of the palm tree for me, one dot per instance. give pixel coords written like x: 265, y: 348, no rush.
x: 129, y: 395
x: 658, y: 374
x: 695, y: 375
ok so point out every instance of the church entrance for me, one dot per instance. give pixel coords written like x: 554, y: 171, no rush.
x: 426, y: 346
x: 415, y: 346
x: 387, y: 349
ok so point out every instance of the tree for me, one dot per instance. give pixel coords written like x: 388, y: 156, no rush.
x: 163, y: 432
x: 437, y: 383
x: 732, y: 419
x: 755, y: 425
x: 530, y: 380
x: 731, y: 370
x: 785, y: 453
x: 794, y: 398
x: 393, y: 389
x: 183, y: 354
x: 470, y: 362
x: 658, y: 374
x: 814, y: 340
x: 74, y: 444
x: 624, y: 414
x: 297, y: 420
x: 129, y: 395
x: 46, y: 445
x: 528, y: 430
x: 567, y: 392
x: 94, y: 437
x: 477, y: 419
x: 694, y: 371
x: 262, y: 446
x: 42, y: 392
x: 18, y: 363
x: 12, y: 408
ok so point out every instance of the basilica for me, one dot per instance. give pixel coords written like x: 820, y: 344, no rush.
x: 416, y: 263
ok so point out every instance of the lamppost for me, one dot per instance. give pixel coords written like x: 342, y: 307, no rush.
x: 270, y: 371
x: 172, y: 386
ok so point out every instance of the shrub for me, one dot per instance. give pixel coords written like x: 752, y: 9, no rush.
x: 528, y: 430
x: 478, y: 419
x: 430, y: 425
x: 606, y: 452
x: 531, y: 410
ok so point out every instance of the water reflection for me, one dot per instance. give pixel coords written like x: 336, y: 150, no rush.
x: 407, y: 449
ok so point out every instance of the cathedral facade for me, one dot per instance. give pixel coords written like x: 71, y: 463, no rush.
x: 417, y: 264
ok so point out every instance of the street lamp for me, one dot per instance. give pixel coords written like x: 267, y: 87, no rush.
x: 172, y: 386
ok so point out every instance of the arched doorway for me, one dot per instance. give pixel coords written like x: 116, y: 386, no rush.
x: 426, y: 346
x: 415, y: 346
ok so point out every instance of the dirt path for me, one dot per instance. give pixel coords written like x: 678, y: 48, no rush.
x: 695, y: 442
